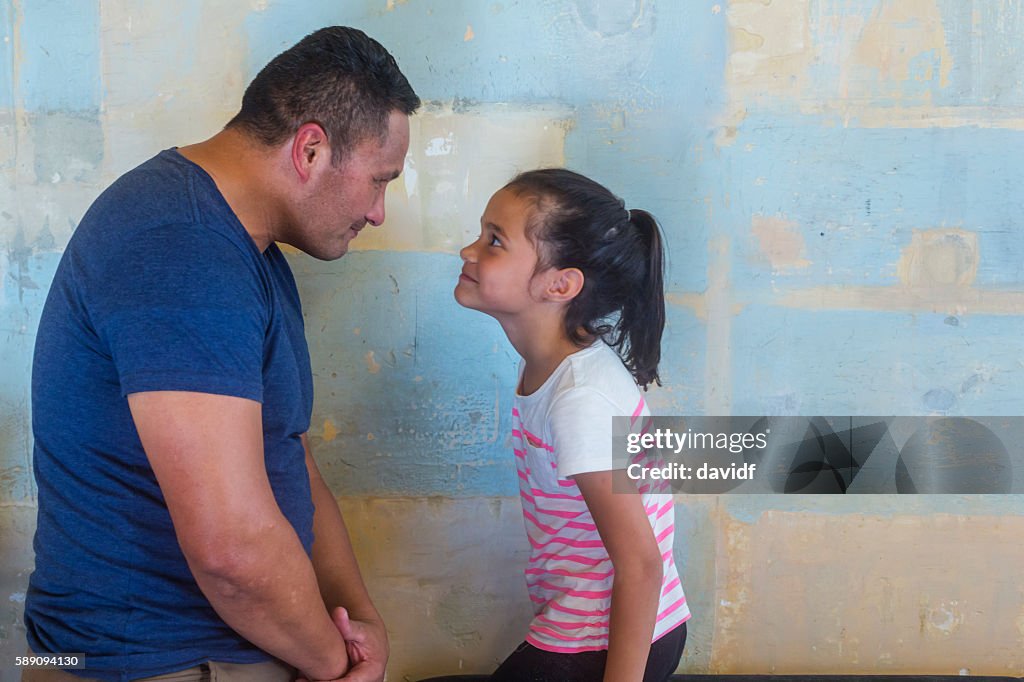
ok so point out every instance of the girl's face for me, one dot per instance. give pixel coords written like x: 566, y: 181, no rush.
x: 498, y: 268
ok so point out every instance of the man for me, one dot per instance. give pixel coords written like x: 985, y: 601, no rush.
x: 183, y: 524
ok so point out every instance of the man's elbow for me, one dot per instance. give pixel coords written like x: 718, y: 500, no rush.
x: 230, y: 563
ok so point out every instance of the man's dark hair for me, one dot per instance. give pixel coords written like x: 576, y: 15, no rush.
x: 337, y: 77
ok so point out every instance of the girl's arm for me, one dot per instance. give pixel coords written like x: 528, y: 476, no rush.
x: 636, y: 589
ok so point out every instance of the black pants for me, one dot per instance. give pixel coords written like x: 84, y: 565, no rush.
x: 530, y: 664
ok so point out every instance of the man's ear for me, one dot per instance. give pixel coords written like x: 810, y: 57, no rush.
x: 564, y: 285
x: 310, y: 150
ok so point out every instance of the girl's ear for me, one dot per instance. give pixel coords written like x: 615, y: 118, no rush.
x: 564, y: 285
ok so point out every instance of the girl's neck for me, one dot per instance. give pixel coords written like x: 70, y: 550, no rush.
x: 543, y: 348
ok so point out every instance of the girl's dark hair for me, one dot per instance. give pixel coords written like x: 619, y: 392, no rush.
x: 578, y: 223
x: 338, y: 77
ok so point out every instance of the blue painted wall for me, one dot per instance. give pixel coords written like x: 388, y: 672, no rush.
x: 838, y: 181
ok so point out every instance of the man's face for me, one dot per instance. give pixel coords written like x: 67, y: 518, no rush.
x: 344, y: 198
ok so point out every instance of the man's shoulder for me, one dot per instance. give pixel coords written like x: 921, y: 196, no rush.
x: 156, y: 192
x: 165, y: 202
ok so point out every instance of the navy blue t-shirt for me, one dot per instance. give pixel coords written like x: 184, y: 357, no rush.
x: 160, y: 288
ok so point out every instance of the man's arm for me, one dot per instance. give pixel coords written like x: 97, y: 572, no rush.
x: 341, y: 584
x: 207, y: 453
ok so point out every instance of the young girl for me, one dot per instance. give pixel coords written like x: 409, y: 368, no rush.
x: 576, y: 282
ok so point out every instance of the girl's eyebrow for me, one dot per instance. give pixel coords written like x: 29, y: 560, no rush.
x: 496, y: 228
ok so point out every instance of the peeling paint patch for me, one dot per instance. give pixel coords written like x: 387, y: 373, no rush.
x: 822, y: 603
x: 896, y: 37
x: 780, y: 241
x: 468, y: 35
x: 156, y: 95
x: 718, y: 372
x: 461, y: 154
x: 942, y: 257
x: 879, y: 64
x: 611, y: 19
x: 937, y: 271
x: 330, y: 431
x: 958, y: 302
x: 372, y: 365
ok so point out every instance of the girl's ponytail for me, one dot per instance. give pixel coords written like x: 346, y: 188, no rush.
x: 643, y: 320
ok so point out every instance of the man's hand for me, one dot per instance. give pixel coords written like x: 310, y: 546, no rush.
x: 367, y: 645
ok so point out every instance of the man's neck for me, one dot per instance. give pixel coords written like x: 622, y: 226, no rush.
x: 241, y: 170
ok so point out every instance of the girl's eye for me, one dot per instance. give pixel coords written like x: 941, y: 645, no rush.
x: 494, y: 241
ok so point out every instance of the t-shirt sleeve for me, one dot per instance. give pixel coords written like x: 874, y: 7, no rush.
x: 581, y: 431
x: 183, y: 308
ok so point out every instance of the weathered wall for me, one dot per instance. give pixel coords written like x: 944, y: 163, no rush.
x: 839, y: 184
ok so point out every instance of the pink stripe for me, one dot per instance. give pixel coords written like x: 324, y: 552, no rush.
x: 664, y: 510
x: 521, y: 454
x: 639, y: 408
x: 671, y: 586
x: 556, y: 496
x: 516, y: 433
x: 515, y: 411
x: 541, y: 630
x: 579, y: 612
x: 566, y: 484
x: 561, y: 514
x: 574, y: 626
x: 665, y: 533
x: 670, y: 609
x: 579, y: 544
x: 579, y: 594
x: 579, y: 525
x: 522, y: 475
x: 587, y: 575
x: 574, y: 558
x: 543, y: 646
x: 551, y: 530
x: 540, y: 443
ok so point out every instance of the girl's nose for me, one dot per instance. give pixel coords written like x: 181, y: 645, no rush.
x: 466, y: 254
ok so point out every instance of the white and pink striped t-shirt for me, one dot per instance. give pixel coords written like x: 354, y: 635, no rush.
x: 562, y: 429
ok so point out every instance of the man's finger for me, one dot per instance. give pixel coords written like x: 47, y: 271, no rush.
x: 350, y: 630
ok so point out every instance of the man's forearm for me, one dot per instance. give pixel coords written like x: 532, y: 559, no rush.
x: 266, y: 590
x: 337, y: 571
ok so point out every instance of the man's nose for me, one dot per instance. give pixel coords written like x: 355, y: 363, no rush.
x: 375, y: 216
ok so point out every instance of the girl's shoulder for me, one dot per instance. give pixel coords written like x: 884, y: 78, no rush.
x: 598, y: 371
